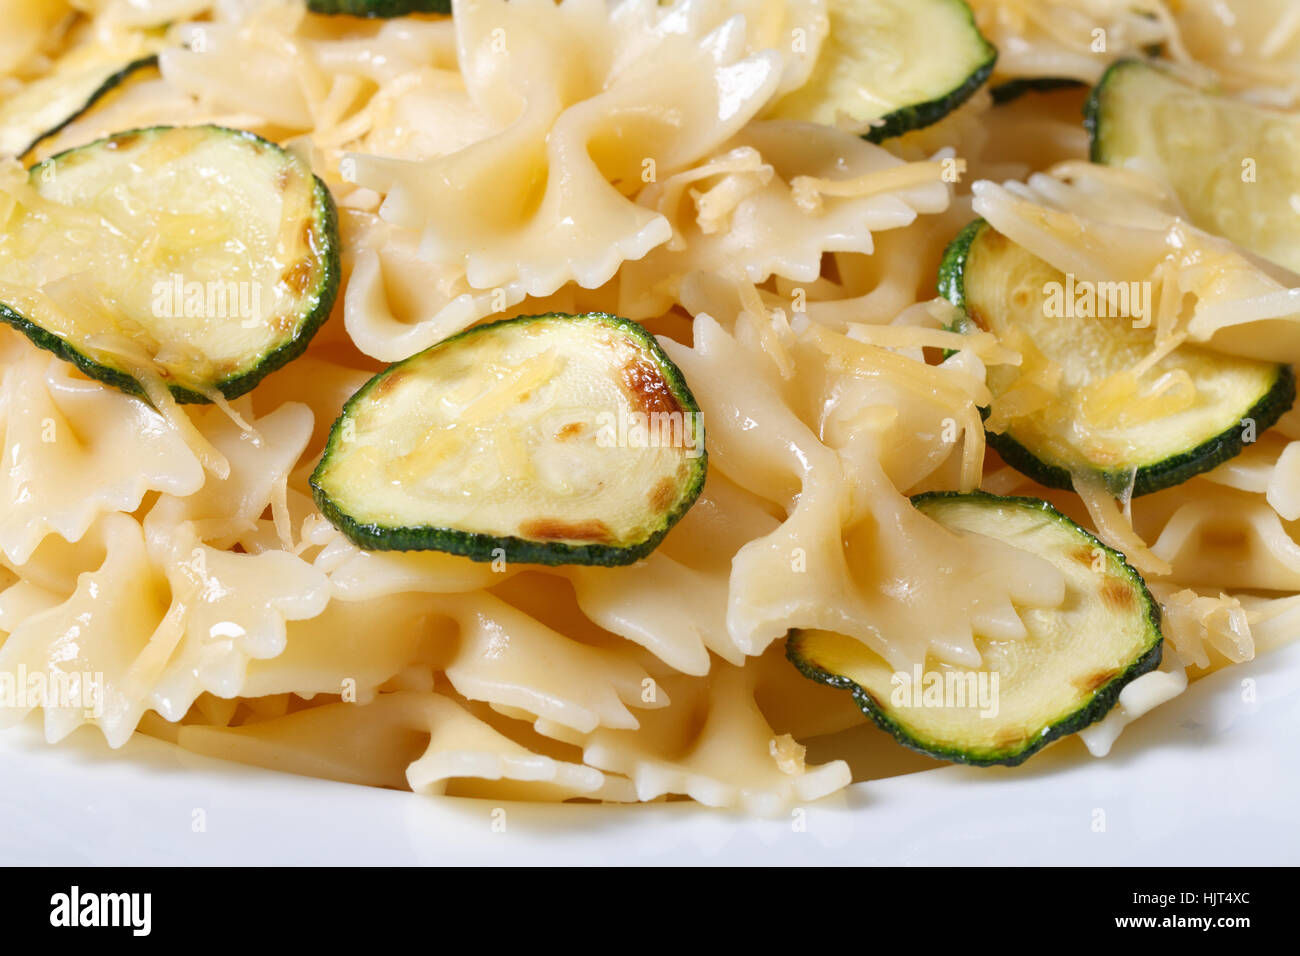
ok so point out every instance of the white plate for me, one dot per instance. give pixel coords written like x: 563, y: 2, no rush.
x: 1208, y: 779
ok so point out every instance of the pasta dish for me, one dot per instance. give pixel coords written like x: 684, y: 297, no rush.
x: 626, y: 400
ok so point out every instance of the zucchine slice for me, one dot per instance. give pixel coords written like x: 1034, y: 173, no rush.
x: 1065, y: 674
x: 550, y: 439
x: 199, y: 257
x: 890, y: 66
x: 1234, y: 166
x: 1081, y: 428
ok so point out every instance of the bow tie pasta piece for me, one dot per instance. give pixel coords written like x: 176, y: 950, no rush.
x: 358, y: 575
x: 693, y: 564
x: 798, y: 28
x: 293, y: 74
x: 261, y: 457
x: 1255, y: 52
x: 137, y: 635
x: 464, y: 750
x: 427, y: 742
x: 545, y: 201
x: 320, y: 384
x: 227, y: 609
x: 398, y: 302
x: 778, y: 198
x: 680, y: 632
x: 76, y: 450
x: 421, y: 115
x: 1221, y: 537
x: 509, y: 659
x: 489, y: 650
x: 715, y: 746
x: 352, y: 648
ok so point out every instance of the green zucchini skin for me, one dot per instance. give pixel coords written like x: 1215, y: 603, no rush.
x: 1194, y: 135
x: 376, y: 9
x: 1014, y: 89
x: 921, y: 115
x: 320, y: 304
x: 1097, y: 707
x: 953, y: 266
x: 1170, y: 472
x: 108, y: 85
x: 482, y: 547
x: 486, y: 548
x: 1093, y: 106
x: 1164, y: 474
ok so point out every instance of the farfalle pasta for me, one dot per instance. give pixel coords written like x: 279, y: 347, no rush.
x: 875, y: 499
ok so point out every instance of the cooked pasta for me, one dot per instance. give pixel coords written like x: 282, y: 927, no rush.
x: 529, y: 157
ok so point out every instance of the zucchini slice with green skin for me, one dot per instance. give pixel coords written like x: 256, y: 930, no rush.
x: 1233, y: 166
x: 200, y: 257
x: 1065, y: 674
x: 891, y: 66
x: 378, y: 8
x: 548, y: 439
x: 47, y: 105
x: 1003, y: 288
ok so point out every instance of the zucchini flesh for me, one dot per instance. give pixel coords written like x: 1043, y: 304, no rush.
x: 378, y: 8
x: 551, y: 439
x: 890, y: 66
x: 77, y: 82
x: 199, y: 257
x: 1097, y: 420
x: 1142, y: 115
x: 1062, y: 676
